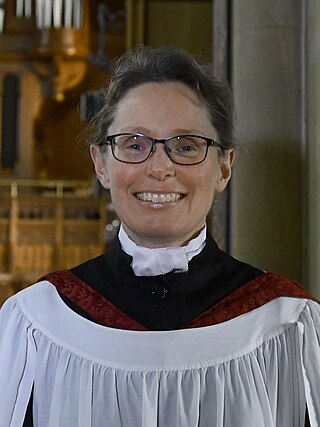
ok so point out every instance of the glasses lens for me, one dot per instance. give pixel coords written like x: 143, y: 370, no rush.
x: 187, y: 149
x: 131, y: 148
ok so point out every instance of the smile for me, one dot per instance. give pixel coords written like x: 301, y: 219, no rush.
x: 159, y: 198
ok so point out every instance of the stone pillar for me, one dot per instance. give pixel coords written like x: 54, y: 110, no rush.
x: 313, y: 146
x: 219, y: 218
x: 267, y: 186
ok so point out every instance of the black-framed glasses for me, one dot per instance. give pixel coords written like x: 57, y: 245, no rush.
x: 181, y: 149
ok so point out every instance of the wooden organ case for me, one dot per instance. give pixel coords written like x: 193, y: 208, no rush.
x: 50, y: 217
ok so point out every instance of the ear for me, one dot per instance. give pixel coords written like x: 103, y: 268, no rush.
x: 226, y: 163
x: 100, y: 166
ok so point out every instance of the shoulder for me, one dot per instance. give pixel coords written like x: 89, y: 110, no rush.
x: 276, y: 285
x: 265, y: 288
x: 19, y: 314
x: 30, y: 300
x: 251, y: 296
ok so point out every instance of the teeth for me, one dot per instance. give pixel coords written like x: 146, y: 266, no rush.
x: 155, y: 197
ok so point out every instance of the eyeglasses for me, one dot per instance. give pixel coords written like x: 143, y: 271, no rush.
x: 182, y: 149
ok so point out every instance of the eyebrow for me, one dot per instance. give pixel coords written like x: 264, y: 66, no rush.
x: 146, y: 132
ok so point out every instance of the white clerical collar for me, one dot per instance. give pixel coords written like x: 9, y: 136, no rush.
x: 156, y: 261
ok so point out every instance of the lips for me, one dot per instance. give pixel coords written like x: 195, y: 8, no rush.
x: 159, y: 197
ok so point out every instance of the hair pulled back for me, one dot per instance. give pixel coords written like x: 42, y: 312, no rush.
x: 166, y: 64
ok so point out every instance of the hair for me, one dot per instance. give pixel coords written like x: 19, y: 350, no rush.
x: 160, y: 65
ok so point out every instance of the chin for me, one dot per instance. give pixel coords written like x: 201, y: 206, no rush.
x: 160, y: 238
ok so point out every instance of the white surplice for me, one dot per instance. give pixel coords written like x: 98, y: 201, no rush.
x: 256, y: 370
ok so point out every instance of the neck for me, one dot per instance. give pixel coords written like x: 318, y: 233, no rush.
x: 161, y: 242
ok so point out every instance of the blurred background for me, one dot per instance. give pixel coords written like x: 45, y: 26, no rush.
x: 55, y: 55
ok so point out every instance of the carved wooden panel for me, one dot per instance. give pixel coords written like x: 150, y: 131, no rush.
x: 41, y: 233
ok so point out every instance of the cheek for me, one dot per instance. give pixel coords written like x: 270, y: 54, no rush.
x: 204, y: 181
x: 121, y: 178
x: 202, y: 197
x: 115, y: 172
x: 207, y: 185
x: 117, y: 184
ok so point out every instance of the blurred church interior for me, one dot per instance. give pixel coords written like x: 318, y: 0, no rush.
x: 56, y: 54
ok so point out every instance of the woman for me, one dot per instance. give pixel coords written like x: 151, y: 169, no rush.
x: 164, y: 329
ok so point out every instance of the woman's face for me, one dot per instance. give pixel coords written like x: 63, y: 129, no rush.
x: 162, y: 110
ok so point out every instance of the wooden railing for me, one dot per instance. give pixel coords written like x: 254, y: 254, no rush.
x: 47, y: 226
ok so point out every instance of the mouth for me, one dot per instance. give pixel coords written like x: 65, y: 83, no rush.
x: 159, y: 197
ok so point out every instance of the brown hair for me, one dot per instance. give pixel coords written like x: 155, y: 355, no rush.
x: 166, y: 64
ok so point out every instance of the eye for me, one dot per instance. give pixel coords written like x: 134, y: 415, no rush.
x: 134, y: 147
x: 134, y: 143
x: 187, y: 148
x: 186, y: 145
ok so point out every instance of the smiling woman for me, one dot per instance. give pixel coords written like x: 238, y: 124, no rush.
x: 140, y: 190
x: 164, y: 329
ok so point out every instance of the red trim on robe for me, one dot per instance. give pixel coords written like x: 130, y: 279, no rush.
x: 250, y: 296
x: 92, y: 302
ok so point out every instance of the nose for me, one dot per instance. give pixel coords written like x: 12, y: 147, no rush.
x: 159, y: 165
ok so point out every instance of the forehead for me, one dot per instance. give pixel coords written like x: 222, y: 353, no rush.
x: 162, y: 105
